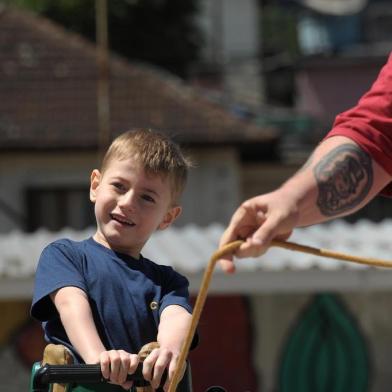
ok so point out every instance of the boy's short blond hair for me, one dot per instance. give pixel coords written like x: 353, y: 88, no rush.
x: 157, y: 154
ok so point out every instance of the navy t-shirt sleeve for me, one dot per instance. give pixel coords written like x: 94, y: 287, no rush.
x: 59, y: 266
x: 175, y: 290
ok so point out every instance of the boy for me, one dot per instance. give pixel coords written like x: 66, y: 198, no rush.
x: 100, y: 297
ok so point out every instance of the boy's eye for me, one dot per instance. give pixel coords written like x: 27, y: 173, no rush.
x: 148, y: 198
x: 118, y: 186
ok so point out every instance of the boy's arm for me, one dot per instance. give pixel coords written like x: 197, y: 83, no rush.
x: 77, y: 319
x: 173, y: 327
x: 75, y: 313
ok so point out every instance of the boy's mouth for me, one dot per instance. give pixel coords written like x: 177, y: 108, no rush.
x: 122, y: 220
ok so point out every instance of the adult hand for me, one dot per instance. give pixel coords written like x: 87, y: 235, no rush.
x: 257, y: 221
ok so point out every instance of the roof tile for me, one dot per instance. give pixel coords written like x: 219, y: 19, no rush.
x: 48, y: 80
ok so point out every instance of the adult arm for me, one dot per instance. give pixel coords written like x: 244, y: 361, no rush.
x: 338, y: 179
x: 349, y: 167
x: 173, y: 327
x: 369, y: 123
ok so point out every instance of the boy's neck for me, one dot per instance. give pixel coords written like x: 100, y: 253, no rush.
x: 134, y: 254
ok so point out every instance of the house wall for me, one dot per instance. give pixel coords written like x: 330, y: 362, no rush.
x: 211, y: 195
x: 18, y: 171
x: 230, y: 29
x: 232, y: 41
x: 329, y: 87
x: 214, y: 188
x: 274, y: 315
x: 260, y: 178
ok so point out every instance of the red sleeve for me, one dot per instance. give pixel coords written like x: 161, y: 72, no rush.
x: 369, y: 123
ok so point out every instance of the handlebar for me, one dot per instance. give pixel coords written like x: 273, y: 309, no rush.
x: 80, y: 374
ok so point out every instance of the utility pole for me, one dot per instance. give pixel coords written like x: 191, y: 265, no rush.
x: 103, y: 100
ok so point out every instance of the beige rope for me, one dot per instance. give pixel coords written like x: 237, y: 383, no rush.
x: 332, y: 255
x: 231, y: 248
x: 201, y: 298
x: 144, y: 352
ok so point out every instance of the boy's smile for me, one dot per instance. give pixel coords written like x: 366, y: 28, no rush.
x: 130, y: 205
x: 122, y: 220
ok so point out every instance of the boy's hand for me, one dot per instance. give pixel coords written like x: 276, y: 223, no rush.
x: 116, y: 365
x: 155, y: 364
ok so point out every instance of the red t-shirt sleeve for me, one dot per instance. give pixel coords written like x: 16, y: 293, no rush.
x: 369, y: 123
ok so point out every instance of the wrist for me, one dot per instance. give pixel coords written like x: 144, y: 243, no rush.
x: 92, y: 357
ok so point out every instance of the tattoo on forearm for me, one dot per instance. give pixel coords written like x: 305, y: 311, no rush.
x: 344, y: 177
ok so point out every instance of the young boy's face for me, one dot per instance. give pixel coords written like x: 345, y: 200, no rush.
x: 130, y: 205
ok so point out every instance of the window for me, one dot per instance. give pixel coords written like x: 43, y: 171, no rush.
x: 55, y: 208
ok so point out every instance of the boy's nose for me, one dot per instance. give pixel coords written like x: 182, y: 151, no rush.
x: 127, y: 200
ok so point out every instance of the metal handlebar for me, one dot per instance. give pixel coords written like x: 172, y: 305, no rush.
x: 81, y: 374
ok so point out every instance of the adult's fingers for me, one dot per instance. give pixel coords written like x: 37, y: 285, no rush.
x: 240, y: 224
x: 271, y: 229
x: 259, y: 241
x: 227, y: 264
x: 246, y: 220
x: 226, y: 261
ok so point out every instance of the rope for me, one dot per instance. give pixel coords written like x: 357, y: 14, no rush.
x: 332, y: 255
x: 231, y: 248
x: 201, y: 298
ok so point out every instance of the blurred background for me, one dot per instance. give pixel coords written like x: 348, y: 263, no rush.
x: 248, y: 88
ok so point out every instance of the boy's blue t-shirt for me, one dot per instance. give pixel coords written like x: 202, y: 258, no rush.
x: 126, y: 295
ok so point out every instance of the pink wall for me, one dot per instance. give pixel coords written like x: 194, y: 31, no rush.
x: 326, y: 87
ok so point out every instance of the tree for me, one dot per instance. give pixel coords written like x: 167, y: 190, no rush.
x: 161, y: 32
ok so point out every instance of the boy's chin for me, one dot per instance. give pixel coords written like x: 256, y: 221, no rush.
x: 124, y: 246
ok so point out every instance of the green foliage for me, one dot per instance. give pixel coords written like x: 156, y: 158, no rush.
x: 162, y: 32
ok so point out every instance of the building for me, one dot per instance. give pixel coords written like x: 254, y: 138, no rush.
x: 292, y: 322
x: 49, y: 144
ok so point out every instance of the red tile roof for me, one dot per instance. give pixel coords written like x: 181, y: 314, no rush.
x: 48, y: 79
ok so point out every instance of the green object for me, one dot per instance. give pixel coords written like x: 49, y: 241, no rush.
x: 325, y: 351
x: 36, y: 366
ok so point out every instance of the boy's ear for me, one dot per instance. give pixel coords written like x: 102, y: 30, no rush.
x: 95, y: 179
x: 170, y: 217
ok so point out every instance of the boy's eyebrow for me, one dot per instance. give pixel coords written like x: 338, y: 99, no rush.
x: 145, y: 189
x: 151, y: 191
